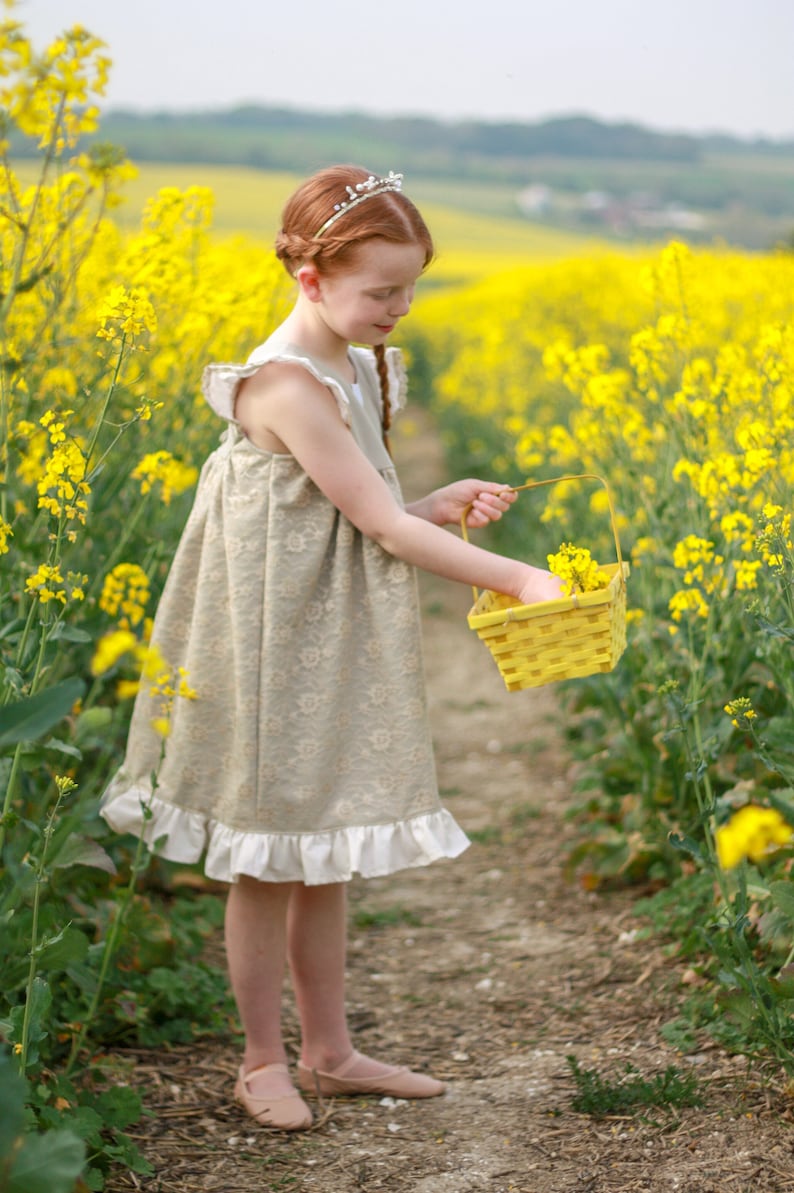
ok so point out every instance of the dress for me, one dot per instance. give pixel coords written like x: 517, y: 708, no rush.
x: 306, y: 754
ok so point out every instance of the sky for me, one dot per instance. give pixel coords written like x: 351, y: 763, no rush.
x: 673, y: 65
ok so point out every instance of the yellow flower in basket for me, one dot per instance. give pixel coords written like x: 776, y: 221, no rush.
x: 577, y: 569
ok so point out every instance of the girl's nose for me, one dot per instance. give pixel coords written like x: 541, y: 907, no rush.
x: 401, y: 304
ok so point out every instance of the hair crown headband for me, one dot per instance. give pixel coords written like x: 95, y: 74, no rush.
x: 362, y: 190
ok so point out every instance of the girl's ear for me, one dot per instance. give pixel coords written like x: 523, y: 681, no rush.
x: 308, y: 279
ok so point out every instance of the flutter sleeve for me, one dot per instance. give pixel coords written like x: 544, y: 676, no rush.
x: 220, y: 382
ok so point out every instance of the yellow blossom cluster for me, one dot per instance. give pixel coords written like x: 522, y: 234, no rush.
x: 163, y: 469
x: 752, y: 833
x: 48, y: 584
x: 577, y: 569
x: 741, y: 711
x: 61, y: 483
x: 124, y: 315
x: 125, y: 593
x: 165, y: 684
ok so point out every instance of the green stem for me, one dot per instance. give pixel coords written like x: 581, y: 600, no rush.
x: 25, y: 635
x: 113, y: 937
x: 101, y: 419
x: 16, y: 272
x: 10, y: 788
x: 34, y: 933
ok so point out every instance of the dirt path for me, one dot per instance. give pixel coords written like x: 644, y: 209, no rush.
x: 487, y: 971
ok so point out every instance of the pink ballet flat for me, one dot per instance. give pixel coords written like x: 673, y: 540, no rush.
x: 287, y: 1112
x: 394, y: 1083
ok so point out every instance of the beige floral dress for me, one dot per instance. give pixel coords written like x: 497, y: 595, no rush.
x: 306, y: 754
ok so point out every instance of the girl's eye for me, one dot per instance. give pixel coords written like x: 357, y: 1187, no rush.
x: 380, y: 293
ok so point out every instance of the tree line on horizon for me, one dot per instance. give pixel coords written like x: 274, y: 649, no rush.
x: 279, y: 138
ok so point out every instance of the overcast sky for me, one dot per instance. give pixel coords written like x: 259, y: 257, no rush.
x: 694, y: 65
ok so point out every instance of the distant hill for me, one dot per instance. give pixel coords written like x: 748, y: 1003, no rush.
x: 274, y: 138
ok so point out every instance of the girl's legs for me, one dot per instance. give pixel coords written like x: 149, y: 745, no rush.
x: 256, y: 944
x: 265, y: 923
x: 317, y: 951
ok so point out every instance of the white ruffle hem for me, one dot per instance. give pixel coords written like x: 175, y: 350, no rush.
x: 372, y: 850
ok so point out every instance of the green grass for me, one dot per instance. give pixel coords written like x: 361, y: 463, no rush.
x: 600, y: 1096
x: 387, y: 917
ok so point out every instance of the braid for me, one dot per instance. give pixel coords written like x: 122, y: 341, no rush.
x: 383, y: 377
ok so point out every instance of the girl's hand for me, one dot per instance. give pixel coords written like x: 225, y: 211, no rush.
x: 540, y: 586
x: 488, y: 501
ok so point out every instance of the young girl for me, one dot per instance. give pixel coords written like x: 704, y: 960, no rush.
x: 291, y: 603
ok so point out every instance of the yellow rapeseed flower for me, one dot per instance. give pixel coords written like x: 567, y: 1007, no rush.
x: 124, y: 315
x: 746, y: 571
x: 110, y: 648
x: 46, y: 583
x: 751, y: 833
x: 740, y: 711
x: 577, y: 569
x: 688, y: 600
x: 125, y: 593
x: 171, y: 474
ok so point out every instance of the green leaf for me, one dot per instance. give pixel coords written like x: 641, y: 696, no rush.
x: 29, y: 719
x: 779, y: 733
x: 68, y: 946
x: 686, y: 845
x: 120, y: 1106
x: 68, y: 633
x: 39, y: 1001
x: 83, y: 851
x: 49, y: 1163
x: 92, y: 721
x: 782, y: 895
x: 782, y: 800
x: 12, y: 1106
x: 54, y: 743
x: 740, y: 1007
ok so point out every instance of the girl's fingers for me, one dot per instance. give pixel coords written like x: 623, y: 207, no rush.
x: 494, y: 504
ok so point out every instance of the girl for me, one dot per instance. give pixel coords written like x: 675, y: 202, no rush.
x: 291, y: 604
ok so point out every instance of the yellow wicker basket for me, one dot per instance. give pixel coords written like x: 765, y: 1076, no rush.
x: 572, y: 636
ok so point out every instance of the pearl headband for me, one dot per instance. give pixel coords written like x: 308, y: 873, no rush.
x: 363, y: 190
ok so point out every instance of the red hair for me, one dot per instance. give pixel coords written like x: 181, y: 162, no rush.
x: 389, y: 215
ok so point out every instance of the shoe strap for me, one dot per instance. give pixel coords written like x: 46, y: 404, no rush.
x: 346, y: 1065
x: 275, y: 1068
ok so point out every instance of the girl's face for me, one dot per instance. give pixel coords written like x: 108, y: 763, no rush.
x: 364, y: 302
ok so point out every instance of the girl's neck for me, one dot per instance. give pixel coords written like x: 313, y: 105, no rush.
x: 316, y: 339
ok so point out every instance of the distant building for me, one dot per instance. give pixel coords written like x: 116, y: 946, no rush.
x: 535, y: 199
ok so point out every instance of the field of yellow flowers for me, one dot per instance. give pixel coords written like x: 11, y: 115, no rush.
x: 670, y: 375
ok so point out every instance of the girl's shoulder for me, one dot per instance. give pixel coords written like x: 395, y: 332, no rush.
x: 221, y: 380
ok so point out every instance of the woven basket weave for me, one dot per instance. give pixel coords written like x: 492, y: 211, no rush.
x: 571, y: 636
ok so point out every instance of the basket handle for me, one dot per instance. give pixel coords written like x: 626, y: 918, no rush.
x: 556, y: 480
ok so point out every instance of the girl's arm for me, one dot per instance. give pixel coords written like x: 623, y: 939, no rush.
x: 283, y: 401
